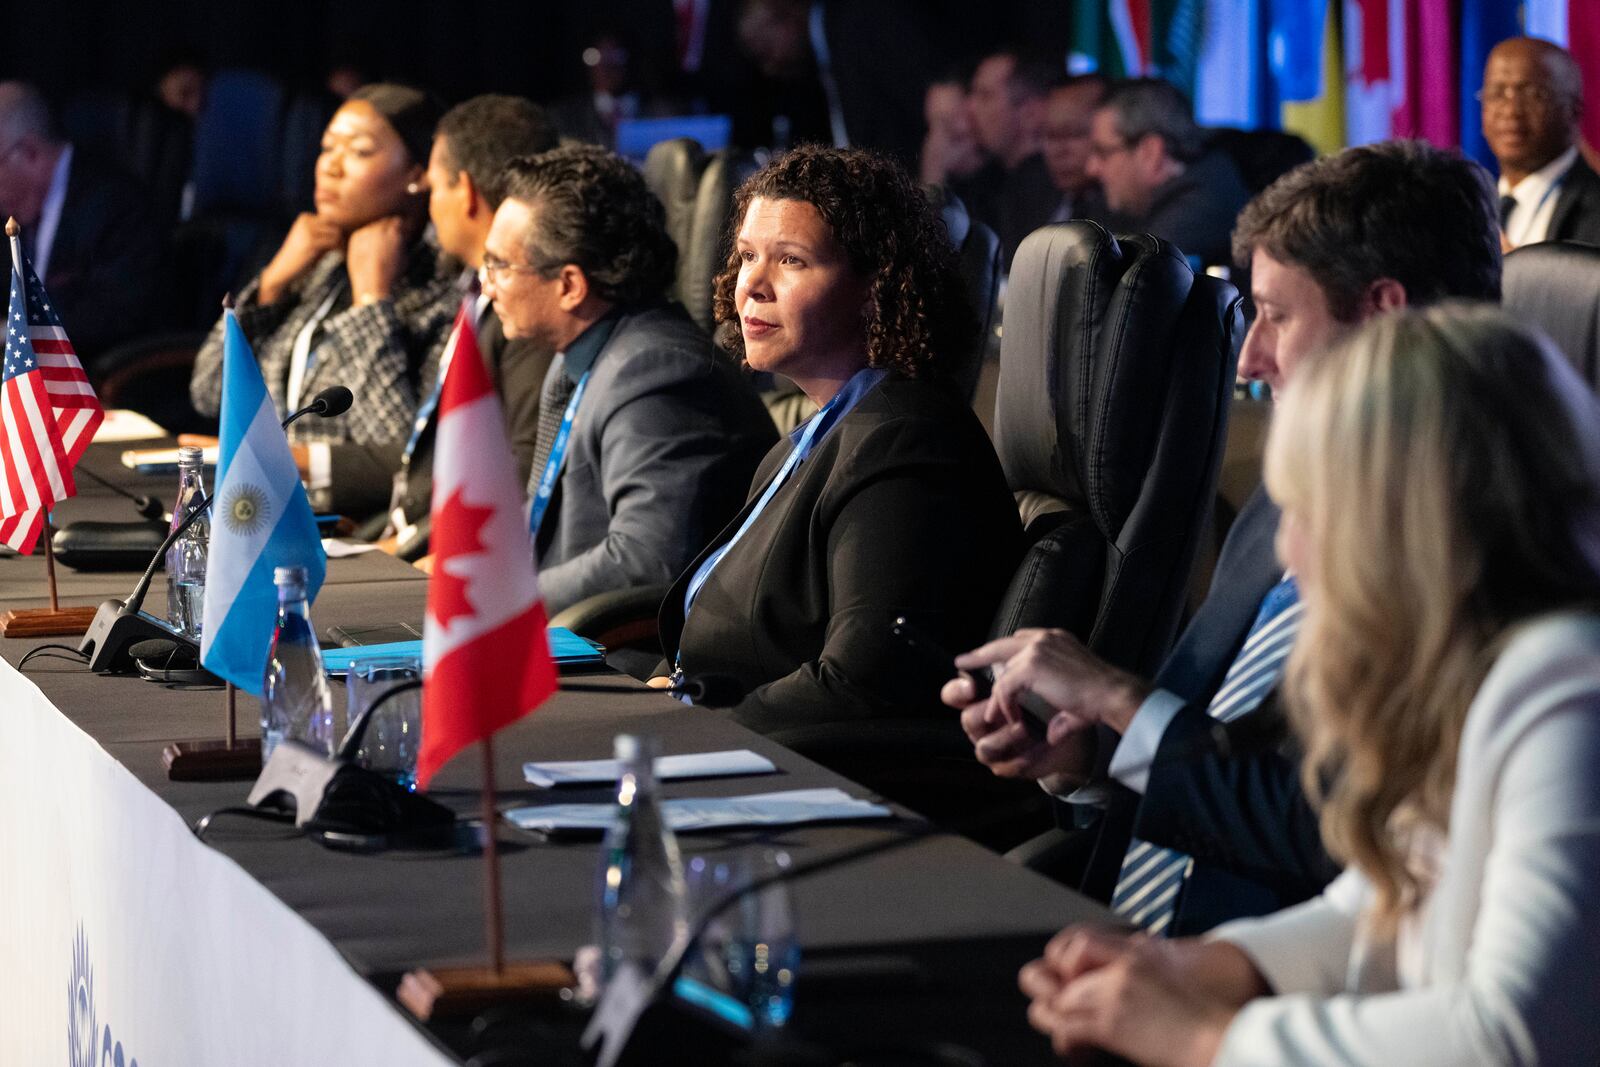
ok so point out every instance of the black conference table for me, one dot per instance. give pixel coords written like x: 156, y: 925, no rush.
x: 260, y: 946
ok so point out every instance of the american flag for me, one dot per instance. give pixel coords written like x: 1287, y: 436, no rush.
x: 48, y: 410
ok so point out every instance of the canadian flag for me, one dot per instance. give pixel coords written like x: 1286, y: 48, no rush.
x: 486, y: 657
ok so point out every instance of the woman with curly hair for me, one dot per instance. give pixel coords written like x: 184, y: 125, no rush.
x: 889, y: 501
x: 1439, y: 475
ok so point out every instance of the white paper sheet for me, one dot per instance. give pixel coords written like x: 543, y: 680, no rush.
x: 120, y: 424
x: 691, y: 765
x: 338, y: 547
x: 688, y: 814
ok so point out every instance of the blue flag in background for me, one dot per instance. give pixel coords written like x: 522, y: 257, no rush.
x: 261, y: 520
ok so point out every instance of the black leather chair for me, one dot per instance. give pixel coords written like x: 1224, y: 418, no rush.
x: 696, y: 189
x: 1116, y: 371
x: 1555, y: 286
x: 1262, y: 156
x: 980, y: 264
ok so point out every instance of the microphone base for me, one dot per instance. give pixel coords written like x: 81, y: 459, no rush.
x: 46, y: 622
x: 115, y: 630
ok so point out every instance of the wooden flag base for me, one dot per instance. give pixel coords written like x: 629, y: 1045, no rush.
x: 46, y: 622
x: 212, y: 760
x: 451, y: 992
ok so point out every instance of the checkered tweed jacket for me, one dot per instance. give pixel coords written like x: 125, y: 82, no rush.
x: 385, y: 352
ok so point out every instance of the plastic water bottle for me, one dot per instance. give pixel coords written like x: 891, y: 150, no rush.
x: 295, y: 702
x: 640, y: 884
x: 186, y: 558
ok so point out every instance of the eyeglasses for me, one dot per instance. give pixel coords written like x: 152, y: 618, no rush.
x: 493, y: 266
x: 1528, y: 94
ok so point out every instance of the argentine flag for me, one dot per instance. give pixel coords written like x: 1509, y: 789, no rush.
x: 261, y: 519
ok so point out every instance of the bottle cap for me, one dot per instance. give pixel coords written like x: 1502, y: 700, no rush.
x: 631, y: 747
x: 295, y: 575
x: 190, y: 455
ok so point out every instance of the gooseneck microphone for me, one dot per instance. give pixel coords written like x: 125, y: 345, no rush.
x: 332, y: 401
x: 703, y: 690
x: 119, y: 624
x: 148, y: 506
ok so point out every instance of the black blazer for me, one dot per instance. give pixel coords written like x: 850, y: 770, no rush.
x: 1244, y: 819
x: 103, y: 268
x: 901, y: 509
x: 1577, y: 214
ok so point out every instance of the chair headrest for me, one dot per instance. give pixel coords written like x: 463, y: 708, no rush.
x: 1090, y: 333
x: 1555, y: 287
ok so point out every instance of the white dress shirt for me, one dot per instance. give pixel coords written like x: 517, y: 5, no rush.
x: 1529, y: 222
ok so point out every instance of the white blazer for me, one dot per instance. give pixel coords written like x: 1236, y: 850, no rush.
x: 1506, y: 968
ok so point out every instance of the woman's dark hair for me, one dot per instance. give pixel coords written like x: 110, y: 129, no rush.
x: 412, y: 113
x: 918, y: 311
x: 595, y: 212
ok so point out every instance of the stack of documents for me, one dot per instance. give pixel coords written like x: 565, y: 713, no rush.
x: 689, y: 814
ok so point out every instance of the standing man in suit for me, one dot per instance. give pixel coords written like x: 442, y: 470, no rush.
x: 647, y: 436
x: 88, y: 229
x: 471, y: 146
x: 1532, y: 100
x: 1217, y: 836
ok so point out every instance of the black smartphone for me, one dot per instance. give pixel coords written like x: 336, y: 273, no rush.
x: 1038, y: 714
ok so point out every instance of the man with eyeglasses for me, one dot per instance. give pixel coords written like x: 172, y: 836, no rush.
x: 648, y: 437
x: 87, y: 228
x: 1157, y: 175
x: 1532, y: 100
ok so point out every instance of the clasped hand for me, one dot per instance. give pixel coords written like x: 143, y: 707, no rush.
x: 1050, y: 666
x: 375, y: 255
x: 1156, y: 1002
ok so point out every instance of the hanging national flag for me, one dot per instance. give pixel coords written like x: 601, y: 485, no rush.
x: 1137, y: 38
x: 48, y: 410
x: 1484, y: 24
x: 487, y: 658
x: 1308, y: 69
x: 1375, y: 64
x: 260, y: 520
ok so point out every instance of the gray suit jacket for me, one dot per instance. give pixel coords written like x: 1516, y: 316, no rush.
x: 665, y: 441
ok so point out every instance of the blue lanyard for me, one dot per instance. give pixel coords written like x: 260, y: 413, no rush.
x: 431, y: 403
x: 813, y: 431
x: 558, y: 452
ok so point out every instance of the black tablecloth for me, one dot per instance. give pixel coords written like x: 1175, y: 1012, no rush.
x: 915, y: 945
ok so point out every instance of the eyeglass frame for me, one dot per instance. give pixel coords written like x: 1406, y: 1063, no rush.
x: 490, y: 266
x: 1100, y: 151
x: 1527, y: 94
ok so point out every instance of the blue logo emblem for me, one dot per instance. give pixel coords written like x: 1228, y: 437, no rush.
x: 82, y: 1026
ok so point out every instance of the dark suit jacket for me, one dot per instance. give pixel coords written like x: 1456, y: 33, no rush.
x: 664, y: 443
x: 1195, y: 211
x: 1244, y: 819
x: 103, y: 266
x: 1577, y: 214
x: 363, y: 476
x: 901, y: 509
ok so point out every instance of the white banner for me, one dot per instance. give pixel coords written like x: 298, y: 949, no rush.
x: 124, y: 940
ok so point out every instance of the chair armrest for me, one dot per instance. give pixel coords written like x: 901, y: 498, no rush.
x: 621, y: 618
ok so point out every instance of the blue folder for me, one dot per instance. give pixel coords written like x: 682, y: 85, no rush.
x: 566, y: 647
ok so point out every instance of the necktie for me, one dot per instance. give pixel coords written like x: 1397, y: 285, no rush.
x: 1508, y: 204
x: 1152, y: 876
x: 553, y: 399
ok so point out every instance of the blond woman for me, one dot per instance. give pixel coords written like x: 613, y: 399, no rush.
x: 1438, y: 476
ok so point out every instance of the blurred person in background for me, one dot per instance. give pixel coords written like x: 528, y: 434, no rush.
x: 1015, y: 194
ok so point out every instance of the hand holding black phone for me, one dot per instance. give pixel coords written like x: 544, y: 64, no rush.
x: 1038, y: 714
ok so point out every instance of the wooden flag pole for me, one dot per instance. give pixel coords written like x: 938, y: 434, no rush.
x: 50, y: 561
x: 215, y: 759
x: 453, y: 992
x: 493, y: 923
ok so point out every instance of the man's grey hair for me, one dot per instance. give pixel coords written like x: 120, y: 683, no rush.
x: 1144, y: 106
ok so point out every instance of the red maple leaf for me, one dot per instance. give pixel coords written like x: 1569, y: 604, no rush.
x: 456, y: 530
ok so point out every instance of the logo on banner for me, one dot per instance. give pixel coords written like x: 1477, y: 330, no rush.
x: 82, y: 1025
